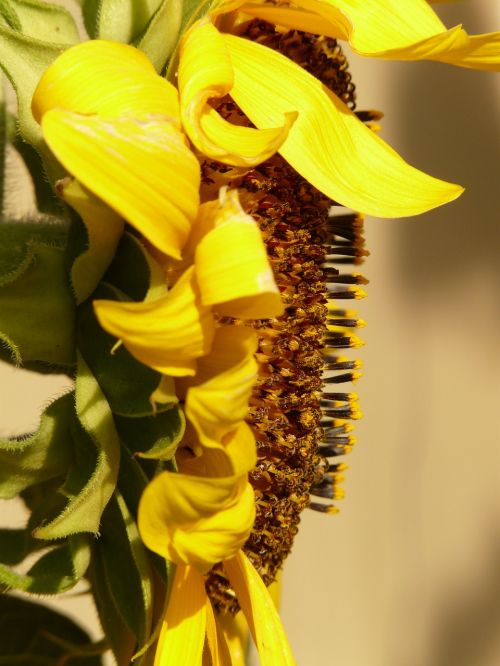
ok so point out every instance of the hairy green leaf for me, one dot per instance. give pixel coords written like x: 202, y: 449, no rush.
x: 160, y: 36
x: 44, y: 455
x: 37, y: 311
x: 57, y: 570
x: 155, y: 436
x: 92, y: 481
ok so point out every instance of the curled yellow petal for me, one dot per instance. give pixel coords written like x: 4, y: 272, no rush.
x: 106, y: 78
x: 354, y: 166
x: 104, y: 229
x: 232, y: 265
x: 205, y: 72
x: 218, y: 402
x: 384, y: 29
x: 167, y: 334
x: 481, y: 52
x: 141, y: 167
x: 236, y: 633
x: 196, y: 520
x: 260, y: 612
x: 236, y: 455
x: 183, y: 630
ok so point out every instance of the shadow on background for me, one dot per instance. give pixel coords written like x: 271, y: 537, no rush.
x: 467, y: 626
x: 442, y: 248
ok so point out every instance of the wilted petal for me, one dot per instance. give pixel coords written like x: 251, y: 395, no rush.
x: 196, y: 520
x: 481, y: 52
x: 232, y: 265
x: 141, y: 167
x: 106, y: 78
x: 354, y: 166
x: 218, y: 402
x: 182, y: 635
x: 167, y: 334
x: 383, y: 29
x: 205, y: 72
x: 260, y: 612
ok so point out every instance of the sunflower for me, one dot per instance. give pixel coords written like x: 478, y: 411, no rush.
x: 228, y: 178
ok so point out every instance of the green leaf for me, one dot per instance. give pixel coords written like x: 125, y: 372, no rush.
x: 125, y: 20
x: 34, y: 635
x: 37, y: 311
x: 160, y: 36
x: 155, y: 436
x: 126, y: 567
x: 45, y: 455
x: 97, y: 441
x: 126, y: 383
x: 24, y: 60
x: 3, y: 143
x: 119, y: 636
x: 134, y: 271
x: 46, y: 199
x: 8, y: 15
x: 57, y: 570
x: 44, y: 21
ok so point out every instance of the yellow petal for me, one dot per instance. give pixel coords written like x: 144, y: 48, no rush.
x: 196, y: 520
x: 205, y: 72
x: 184, y: 626
x: 142, y: 168
x: 260, y: 612
x: 104, y: 229
x: 167, y: 334
x: 106, y: 78
x: 481, y: 52
x: 232, y: 265
x: 235, y: 631
x: 384, y: 29
x: 219, y: 651
x: 353, y: 165
x: 236, y: 455
x: 217, y: 398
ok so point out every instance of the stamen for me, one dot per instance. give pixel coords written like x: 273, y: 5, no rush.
x: 296, y: 425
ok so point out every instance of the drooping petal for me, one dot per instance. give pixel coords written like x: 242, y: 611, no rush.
x: 260, y: 612
x: 104, y: 229
x: 205, y: 72
x: 183, y: 629
x: 167, y: 334
x: 236, y: 633
x: 232, y: 265
x: 354, y: 166
x: 141, y: 167
x: 481, y: 52
x: 106, y: 78
x: 221, y: 535
x: 216, y: 640
x: 196, y: 520
x: 217, y: 398
x: 382, y: 29
x: 236, y: 455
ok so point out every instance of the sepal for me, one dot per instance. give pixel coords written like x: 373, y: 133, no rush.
x: 91, y: 483
x: 36, y: 306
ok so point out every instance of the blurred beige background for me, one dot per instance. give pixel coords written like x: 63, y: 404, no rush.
x: 408, y: 574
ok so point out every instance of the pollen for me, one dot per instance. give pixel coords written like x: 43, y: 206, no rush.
x: 300, y: 421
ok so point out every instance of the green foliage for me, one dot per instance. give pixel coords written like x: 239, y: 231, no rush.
x: 155, y: 436
x: 34, y: 635
x: 58, y: 569
x: 42, y: 456
x: 37, y: 310
x: 126, y: 567
x: 91, y: 482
